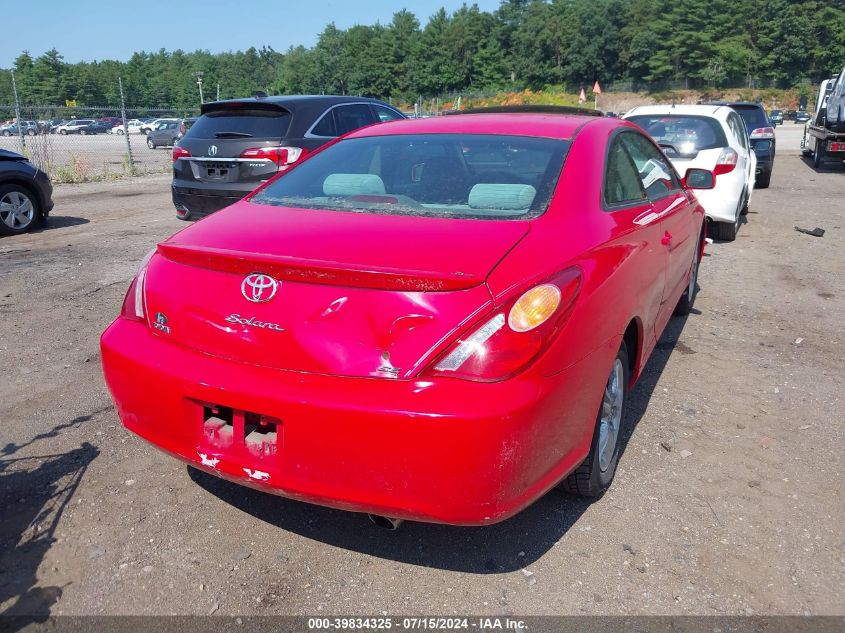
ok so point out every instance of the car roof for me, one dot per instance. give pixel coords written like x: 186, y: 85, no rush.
x: 292, y: 103
x: 560, y: 126
x: 718, y: 111
x: 755, y: 104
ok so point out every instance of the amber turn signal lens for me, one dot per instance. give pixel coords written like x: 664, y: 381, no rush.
x: 534, y: 308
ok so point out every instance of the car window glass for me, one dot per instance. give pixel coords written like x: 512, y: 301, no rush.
x: 325, y: 126
x: 241, y: 123
x: 657, y: 175
x: 386, y: 114
x: 682, y: 135
x: 351, y: 117
x: 482, y: 176
x: 621, y: 183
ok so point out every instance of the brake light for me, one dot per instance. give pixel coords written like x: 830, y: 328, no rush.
x: 726, y: 162
x: 763, y: 132
x: 133, y: 303
x: 180, y: 152
x: 517, y: 333
x: 284, y: 157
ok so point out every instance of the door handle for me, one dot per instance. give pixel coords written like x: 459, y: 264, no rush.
x: 666, y: 239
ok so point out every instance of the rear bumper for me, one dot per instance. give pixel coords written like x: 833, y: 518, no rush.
x: 437, y: 450
x: 199, y: 202
x: 764, y: 150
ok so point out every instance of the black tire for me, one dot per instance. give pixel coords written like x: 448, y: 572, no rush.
x: 724, y: 231
x: 31, y: 132
x: 589, y: 480
x: 150, y: 144
x: 63, y: 132
x: 818, y: 156
x: 763, y: 181
x: 5, y: 229
x: 6, y: 133
x: 687, y: 299
x: 82, y: 132
x: 120, y: 132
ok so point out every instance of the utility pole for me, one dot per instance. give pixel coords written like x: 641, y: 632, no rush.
x: 199, y: 75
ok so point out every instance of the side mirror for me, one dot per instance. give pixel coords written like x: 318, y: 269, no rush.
x: 699, y: 179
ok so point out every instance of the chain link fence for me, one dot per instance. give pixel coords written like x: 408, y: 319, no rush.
x: 77, y: 144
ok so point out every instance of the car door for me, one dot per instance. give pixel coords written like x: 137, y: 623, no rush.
x: 673, y: 209
x: 636, y: 222
x: 738, y: 139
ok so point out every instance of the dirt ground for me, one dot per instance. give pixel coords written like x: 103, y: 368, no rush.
x: 728, y: 498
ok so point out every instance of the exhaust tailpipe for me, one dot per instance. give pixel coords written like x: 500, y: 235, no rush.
x: 386, y: 523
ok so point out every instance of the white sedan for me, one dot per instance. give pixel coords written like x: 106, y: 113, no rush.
x: 134, y: 126
x: 706, y: 137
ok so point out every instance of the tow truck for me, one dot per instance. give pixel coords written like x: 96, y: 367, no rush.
x: 819, y: 142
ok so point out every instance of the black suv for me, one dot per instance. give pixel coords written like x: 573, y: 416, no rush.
x: 761, y: 133
x: 236, y: 145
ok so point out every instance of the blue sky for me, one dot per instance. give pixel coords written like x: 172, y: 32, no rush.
x: 88, y: 30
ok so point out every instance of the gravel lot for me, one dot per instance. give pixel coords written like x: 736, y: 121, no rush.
x: 728, y: 499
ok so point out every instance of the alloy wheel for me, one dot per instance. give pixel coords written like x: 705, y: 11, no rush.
x: 611, y: 415
x: 16, y: 210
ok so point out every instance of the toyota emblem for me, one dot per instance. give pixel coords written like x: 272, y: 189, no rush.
x: 259, y: 288
x: 212, y: 150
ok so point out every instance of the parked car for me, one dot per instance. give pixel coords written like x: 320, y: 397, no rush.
x: 54, y: 124
x: 26, y: 194
x: 711, y: 137
x: 236, y: 145
x: 74, y: 126
x: 802, y: 116
x: 134, y: 126
x: 97, y: 127
x: 30, y: 128
x: 154, y: 124
x: 761, y: 133
x: 165, y: 134
x: 776, y: 117
x: 396, y: 327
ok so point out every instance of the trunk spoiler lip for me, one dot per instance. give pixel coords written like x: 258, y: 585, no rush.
x: 318, y: 271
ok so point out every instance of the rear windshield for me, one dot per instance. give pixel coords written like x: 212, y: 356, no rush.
x: 753, y: 116
x: 682, y: 135
x: 440, y: 175
x: 241, y: 123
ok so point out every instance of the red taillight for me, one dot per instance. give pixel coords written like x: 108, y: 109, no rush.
x: 504, y: 342
x: 180, y: 152
x: 726, y: 162
x: 763, y: 132
x: 284, y: 157
x: 133, y: 303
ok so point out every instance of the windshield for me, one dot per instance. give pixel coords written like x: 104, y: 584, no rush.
x: 683, y: 136
x: 442, y: 175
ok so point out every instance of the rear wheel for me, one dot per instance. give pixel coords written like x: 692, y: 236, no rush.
x: 31, y: 132
x: 818, y: 156
x: 762, y: 182
x: 18, y: 210
x: 686, y: 301
x: 595, y: 474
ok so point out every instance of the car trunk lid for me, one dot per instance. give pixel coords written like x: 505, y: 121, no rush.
x: 356, y: 294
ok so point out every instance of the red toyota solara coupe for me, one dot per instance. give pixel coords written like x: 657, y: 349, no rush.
x: 436, y: 320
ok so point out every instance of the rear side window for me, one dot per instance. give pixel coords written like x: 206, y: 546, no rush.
x: 621, y: 182
x: 682, y: 135
x: 657, y: 175
x: 386, y: 114
x: 241, y: 123
x: 352, y: 117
